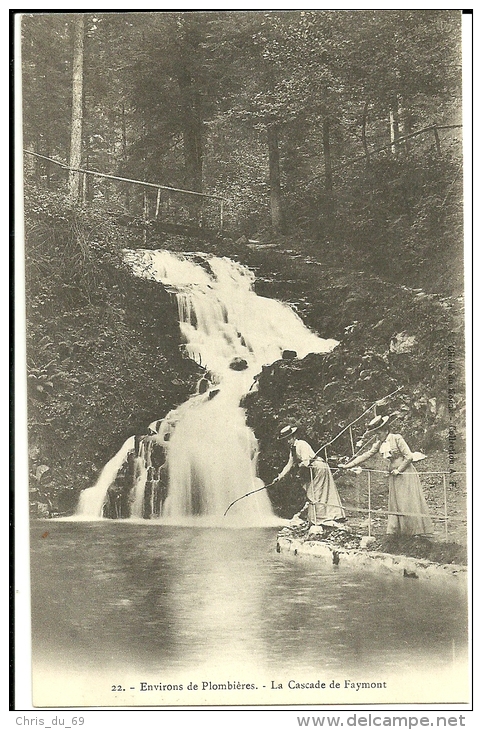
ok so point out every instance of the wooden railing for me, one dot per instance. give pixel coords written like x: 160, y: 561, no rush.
x: 399, y: 140
x: 394, y: 145
x: 147, y: 209
x: 370, y: 512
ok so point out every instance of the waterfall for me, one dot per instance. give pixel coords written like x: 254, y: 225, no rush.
x: 92, y: 500
x: 211, y: 454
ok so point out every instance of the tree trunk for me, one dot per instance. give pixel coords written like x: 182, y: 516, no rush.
x: 47, y: 163
x: 77, y: 103
x: 274, y: 179
x: 394, y: 123
x: 364, y: 132
x: 192, y: 140
x: 192, y: 137
x: 189, y: 40
x: 32, y: 162
x: 329, y: 207
x: 124, y: 132
x: 127, y: 190
x: 327, y: 154
x: 407, y: 128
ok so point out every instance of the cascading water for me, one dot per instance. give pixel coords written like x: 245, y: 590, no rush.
x: 92, y: 500
x: 211, y: 455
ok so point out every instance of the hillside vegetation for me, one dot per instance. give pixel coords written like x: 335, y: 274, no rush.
x: 335, y: 140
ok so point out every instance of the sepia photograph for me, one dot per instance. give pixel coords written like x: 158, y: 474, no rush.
x: 246, y: 460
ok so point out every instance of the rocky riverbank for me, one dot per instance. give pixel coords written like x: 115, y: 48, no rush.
x: 408, y: 557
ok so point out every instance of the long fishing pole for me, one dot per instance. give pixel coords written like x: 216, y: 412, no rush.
x: 377, y: 402
x: 380, y: 401
x: 363, y: 446
x: 266, y: 486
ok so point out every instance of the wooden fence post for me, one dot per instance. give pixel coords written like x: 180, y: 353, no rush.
x: 83, y: 173
x: 352, y: 443
x: 146, y: 213
x: 84, y: 188
x: 158, y: 202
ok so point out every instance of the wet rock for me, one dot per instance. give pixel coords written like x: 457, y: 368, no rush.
x: 409, y: 573
x: 203, y: 386
x: 289, y: 355
x: 350, y: 556
x: 238, y: 363
x: 341, y: 548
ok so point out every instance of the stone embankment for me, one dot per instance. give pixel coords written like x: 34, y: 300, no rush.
x: 356, y: 554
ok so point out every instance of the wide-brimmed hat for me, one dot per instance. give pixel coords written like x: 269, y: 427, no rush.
x: 287, y: 431
x: 379, y: 422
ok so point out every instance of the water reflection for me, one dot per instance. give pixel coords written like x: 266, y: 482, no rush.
x: 156, y: 598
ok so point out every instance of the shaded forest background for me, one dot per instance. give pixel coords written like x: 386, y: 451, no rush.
x: 305, y: 123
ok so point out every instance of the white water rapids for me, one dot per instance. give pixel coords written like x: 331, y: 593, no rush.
x: 212, y: 454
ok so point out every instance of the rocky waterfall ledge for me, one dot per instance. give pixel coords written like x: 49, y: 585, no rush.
x: 344, y: 549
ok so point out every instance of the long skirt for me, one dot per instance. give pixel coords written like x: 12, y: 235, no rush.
x: 324, y: 500
x: 405, y: 495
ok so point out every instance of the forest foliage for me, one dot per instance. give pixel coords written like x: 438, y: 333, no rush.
x: 269, y: 110
x: 103, y: 348
x: 299, y: 119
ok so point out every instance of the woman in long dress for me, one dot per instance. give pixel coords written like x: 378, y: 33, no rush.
x: 324, y: 503
x: 406, y: 503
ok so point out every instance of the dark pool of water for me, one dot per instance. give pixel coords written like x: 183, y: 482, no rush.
x: 163, y: 598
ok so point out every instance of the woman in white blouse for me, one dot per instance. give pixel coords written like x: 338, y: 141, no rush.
x: 324, y: 503
x: 406, y: 503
